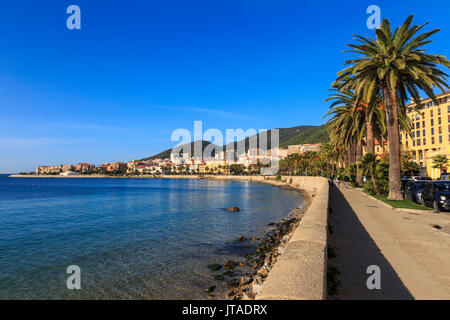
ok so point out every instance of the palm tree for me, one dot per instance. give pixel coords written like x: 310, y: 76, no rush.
x: 353, y: 120
x: 440, y: 162
x: 368, y: 163
x: 341, y: 127
x: 394, y: 66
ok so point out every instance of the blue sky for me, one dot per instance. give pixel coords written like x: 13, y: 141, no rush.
x: 116, y: 89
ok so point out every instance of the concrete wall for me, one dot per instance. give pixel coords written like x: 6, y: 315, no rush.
x: 300, y: 272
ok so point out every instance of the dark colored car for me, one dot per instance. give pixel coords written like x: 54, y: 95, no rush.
x: 413, y: 191
x: 436, y: 195
x: 405, y: 179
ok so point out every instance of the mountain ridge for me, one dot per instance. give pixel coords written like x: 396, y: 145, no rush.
x: 287, y: 136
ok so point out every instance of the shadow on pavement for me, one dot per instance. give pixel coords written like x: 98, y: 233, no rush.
x: 355, y: 251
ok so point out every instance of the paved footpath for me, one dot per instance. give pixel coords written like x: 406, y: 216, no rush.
x: 414, y: 257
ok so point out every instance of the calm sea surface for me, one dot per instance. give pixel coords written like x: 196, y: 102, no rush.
x: 132, y: 238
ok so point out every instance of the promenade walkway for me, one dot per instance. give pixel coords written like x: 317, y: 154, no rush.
x: 414, y: 256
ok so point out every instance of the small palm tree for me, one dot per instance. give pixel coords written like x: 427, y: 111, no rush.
x: 368, y: 164
x: 441, y: 163
x: 394, y: 65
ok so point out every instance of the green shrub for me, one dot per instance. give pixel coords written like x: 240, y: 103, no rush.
x: 369, y: 188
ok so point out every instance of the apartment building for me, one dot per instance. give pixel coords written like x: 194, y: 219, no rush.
x: 294, y: 149
x: 54, y: 169
x: 309, y: 148
x: 84, y: 168
x: 430, y: 132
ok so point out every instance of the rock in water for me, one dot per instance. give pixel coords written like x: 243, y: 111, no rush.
x: 241, y: 239
x: 233, y: 209
x: 229, y: 265
x: 263, y: 272
x: 210, y: 289
x: 214, y: 267
x: 244, y: 280
x: 256, y: 288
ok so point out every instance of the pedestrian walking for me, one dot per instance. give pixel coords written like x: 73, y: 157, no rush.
x: 346, y: 180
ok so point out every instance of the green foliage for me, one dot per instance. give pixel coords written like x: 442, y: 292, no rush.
x: 350, y: 172
x: 310, y: 135
x: 237, y: 169
x: 406, y: 204
x: 440, y: 162
x: 369, y: 188
x: 308, y: 164
x: 381, y: 177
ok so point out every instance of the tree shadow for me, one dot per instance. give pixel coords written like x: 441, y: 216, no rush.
x: 355, y: 252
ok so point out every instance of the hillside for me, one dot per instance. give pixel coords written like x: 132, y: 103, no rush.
x: 288, y: 136
x: 311, y: 135
x: 166, y: 153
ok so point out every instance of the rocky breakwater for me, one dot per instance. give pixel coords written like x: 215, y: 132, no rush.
x: 237, y: 280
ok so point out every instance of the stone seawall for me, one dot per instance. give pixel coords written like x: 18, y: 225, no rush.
x: 300, y: 272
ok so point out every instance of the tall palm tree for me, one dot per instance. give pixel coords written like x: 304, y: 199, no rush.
x: 341, y: 128
x: 368, y: 120
x: 394, y: 65
x: 347, y: 125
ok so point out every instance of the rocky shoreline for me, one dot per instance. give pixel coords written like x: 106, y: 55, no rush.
x: 242, y: 280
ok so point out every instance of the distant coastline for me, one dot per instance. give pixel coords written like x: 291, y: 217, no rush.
x: 93, y: 176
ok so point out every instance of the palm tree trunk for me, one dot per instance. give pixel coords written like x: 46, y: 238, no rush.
x: 375, y: 186
x: 352, y: 152
x: 395, y: 190
x: 358, y: 154
x: 370, y: 140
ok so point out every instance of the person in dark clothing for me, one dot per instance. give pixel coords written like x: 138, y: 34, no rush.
x: 331, y: 181
x: 346, y: 180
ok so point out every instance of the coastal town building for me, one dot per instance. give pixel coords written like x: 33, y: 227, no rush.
x: 280, y: 152
x: 294, y: 149
x: 84, y: 168
x: 54, y: 169
x: 183, y: 164
x: 309, y: 148
x: 116, y: 166
x: 430, y: 133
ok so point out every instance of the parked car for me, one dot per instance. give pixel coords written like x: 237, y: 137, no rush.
x: 405, y: 180
x: 414, y: 190
x: 436, y: 195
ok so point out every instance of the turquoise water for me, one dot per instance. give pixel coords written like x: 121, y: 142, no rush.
x: 132, y: 238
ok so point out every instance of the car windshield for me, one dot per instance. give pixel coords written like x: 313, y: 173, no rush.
x: 419, y: 185
x: 442, y: 186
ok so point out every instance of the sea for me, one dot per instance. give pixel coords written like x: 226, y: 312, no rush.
x: 127, y: 238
